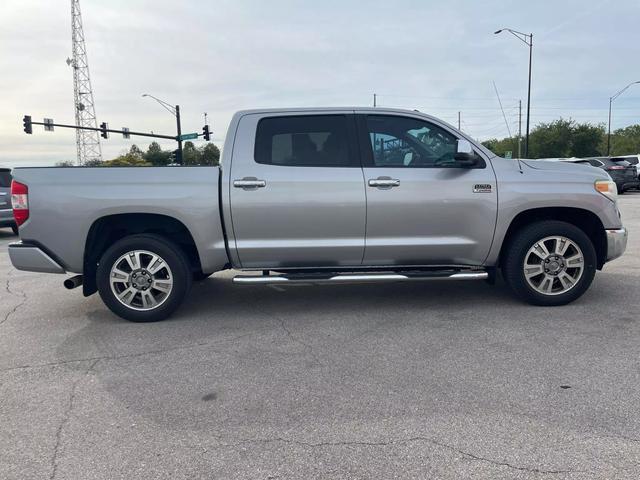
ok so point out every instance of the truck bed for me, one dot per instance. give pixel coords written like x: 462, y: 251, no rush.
x: 64, y: 203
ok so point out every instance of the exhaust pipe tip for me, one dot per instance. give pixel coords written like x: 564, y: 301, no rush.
x: 73, y: 282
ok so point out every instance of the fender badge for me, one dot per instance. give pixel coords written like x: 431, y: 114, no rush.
x: 482, y: 188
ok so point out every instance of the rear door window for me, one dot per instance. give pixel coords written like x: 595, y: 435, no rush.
x: 305, y: 141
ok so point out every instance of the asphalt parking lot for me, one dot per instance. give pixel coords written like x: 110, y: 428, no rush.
x: 420, y: 380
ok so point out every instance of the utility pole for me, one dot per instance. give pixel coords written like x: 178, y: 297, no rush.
x: 87, y: 141
x: 519, y: 128
x: 375, y: 97
x: 459, y: 121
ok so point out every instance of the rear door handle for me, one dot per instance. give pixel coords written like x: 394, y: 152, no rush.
x: 249, y: 183
x: 384, y: 182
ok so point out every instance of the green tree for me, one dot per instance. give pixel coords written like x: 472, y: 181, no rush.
x: 135, y: 152
x: 625, y: 141
x: 133, y: 158
x: 127, y: 160
x: 210, y: 154
x: 567, y: 138
x: 551, y: 139
x: 93, y: 163
x: 190, y: 154
x: 500, y: 147
x: 156, y: 156
x: 65, y: 163
x: 586, y: 140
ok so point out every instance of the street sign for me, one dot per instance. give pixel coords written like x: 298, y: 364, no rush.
x: 48, y: 124
x: 508, y: 154
x: 125, y: 132
x: 189, y: 136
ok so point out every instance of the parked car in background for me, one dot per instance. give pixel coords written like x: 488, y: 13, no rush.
x: 623, y: 173
x: 632, y: 159
x: 6, y: 213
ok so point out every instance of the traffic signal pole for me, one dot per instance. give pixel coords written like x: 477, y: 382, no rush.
x: 179, y: 131
x: 103, y: 130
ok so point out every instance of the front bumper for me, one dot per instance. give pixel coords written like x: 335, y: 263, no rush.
x: 25, y: 256
x: 616, y: 242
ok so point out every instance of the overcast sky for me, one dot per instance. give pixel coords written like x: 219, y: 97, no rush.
x: 440, y: 57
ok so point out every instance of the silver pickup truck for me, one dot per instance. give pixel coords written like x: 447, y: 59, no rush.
x: 320, y: 196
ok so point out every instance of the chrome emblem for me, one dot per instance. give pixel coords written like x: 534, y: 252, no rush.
x: 482, y: 188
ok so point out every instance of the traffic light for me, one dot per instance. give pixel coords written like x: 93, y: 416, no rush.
x: 206, y: 133
x: 177, y: 156
x: 103, y: 130
x: 26, y: 121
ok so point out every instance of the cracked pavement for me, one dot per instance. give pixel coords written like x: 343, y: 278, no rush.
x: 420, y: 380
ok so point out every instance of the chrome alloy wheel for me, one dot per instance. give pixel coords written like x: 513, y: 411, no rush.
x: 141, y: 280
x: 553, y: 265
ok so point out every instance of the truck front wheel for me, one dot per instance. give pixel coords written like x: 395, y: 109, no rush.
x: 549, y: 263
x: 143, y: 278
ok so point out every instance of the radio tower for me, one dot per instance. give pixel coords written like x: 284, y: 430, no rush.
x: 87, y: 141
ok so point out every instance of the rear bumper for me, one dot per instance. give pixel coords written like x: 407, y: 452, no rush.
x: 29, y: 257
x: 616, y: 242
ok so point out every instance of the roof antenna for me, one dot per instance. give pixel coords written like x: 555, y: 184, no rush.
x: 506, y: 122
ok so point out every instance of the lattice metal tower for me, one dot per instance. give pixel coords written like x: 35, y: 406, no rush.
x: 87, y: 141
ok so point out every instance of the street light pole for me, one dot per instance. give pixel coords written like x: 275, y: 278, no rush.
x: 611, y: 99
x: 175, y: 111
x: 527, y: 38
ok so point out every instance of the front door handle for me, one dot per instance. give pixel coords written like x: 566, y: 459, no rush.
x: 384, y: 182
x: 249, y: 183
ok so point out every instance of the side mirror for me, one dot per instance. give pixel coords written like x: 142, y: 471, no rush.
x: 465, y: 156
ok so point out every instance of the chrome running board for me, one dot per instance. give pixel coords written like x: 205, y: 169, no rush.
x: 360, y: 277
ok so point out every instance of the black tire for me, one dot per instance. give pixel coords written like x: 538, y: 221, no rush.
x: 15, y: 229
x: 169, y: 252
x: 515, y: 256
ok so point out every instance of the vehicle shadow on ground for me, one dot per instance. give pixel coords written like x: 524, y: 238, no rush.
x: 218, y: 298
x: 7, y: 234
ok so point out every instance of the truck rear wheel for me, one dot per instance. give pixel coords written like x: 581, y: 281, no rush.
x: 549, y: 263
x: 143, y: 278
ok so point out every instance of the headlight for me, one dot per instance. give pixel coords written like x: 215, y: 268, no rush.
x: 607, y: 188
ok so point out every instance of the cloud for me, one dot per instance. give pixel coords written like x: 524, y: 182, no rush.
x: 218, y: 57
